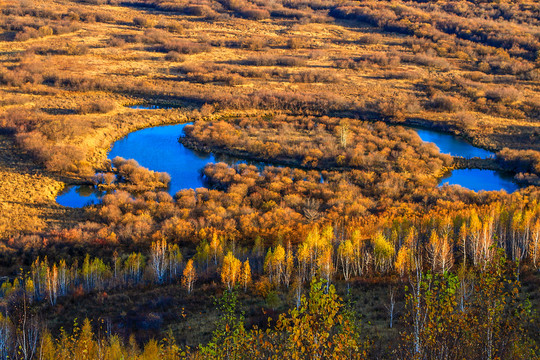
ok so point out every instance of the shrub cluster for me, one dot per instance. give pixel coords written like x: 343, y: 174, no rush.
x: 322, y: 143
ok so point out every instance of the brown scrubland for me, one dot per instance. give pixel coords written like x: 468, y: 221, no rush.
x: 320, y: 143
x: 344, y: 237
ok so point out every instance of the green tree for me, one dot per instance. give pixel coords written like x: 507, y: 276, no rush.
x: 229, y: 337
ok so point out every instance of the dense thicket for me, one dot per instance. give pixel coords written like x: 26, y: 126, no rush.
x: 321, y: 143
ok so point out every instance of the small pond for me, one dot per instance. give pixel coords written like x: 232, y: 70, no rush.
x: 79, y: 196
x: 158, y: 149
x: 473, y: 179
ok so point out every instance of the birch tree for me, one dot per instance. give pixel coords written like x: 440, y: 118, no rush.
x: 189, y: 276
x: 245, y: 277
x: 230, y: 270
x: 158, y: 259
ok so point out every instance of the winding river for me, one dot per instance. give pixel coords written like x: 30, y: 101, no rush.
x: 452, y: 145
x: 158, y: 149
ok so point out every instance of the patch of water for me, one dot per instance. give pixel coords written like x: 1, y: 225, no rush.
x: 158, y: 149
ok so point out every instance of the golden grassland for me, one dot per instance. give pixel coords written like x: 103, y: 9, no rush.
x: 27, y: 196
x: 156, y: 76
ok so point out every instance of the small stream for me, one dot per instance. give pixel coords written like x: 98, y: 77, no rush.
x: 158, y: 149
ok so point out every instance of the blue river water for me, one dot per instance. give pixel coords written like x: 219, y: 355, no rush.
x: 158, y: 149
x: 477, y: 180
x: 452, y: 145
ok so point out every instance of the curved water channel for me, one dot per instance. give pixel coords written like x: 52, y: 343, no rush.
x: 158, y: 149
x: 473, y: 179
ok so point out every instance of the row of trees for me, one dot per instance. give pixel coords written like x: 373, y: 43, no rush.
x: 473, y: 314
x: 332, y: 246
x: 466, y: 237
x: 48, y: 281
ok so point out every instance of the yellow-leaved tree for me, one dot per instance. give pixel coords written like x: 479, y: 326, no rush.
x: 189, y: 276
x: 230, y: 270
x: 246, y: 274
